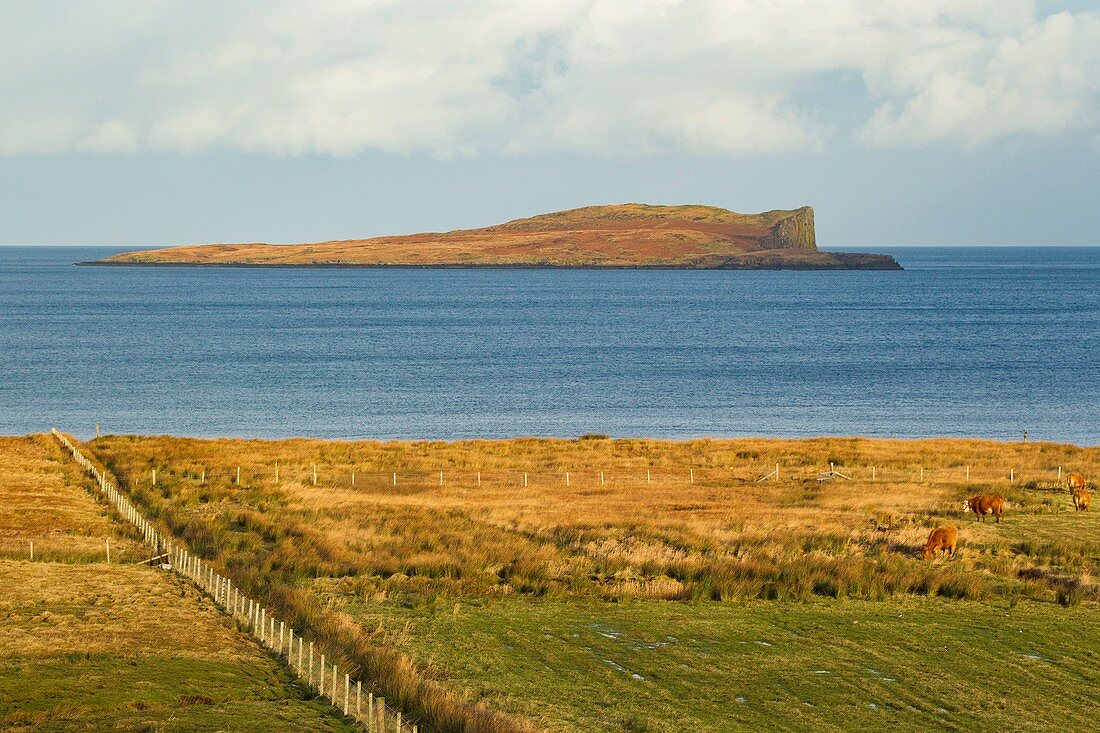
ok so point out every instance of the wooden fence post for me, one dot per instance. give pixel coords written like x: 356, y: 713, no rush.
x: 314, y: 474
x: 380, y: 708
x: 238, y: 475
x: 154, y: 477
x: 321, y: 683
x: 32, y: 552
x: 601, y: 478
x: 691, y: 475
x: 566, y: 478
x: 395, y: 478
x: 108, y: 541
x: 347, y: 691
x: 525, y: 479
x: 358, y: 699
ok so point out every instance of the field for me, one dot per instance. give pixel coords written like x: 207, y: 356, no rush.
x: 604, y: 584
x: 86, y: 645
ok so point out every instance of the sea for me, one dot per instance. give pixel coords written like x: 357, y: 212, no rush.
x: 983, y: 342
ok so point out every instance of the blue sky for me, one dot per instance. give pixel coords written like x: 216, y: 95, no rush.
x: 964, y: 122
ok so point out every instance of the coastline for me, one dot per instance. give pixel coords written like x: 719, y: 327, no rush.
x: 878, y: 264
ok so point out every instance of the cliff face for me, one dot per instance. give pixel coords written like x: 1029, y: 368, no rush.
x: 795, y: 231
x: 621, y: 235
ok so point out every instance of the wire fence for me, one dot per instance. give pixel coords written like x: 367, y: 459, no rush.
x: 311, y: 662
x: 346, y: 477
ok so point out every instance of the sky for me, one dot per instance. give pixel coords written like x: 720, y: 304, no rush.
x: 903, y: 122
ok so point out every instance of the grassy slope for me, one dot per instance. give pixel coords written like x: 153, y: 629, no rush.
x: 90, y: 646
x: 628, y: 235
x: 529, y: 567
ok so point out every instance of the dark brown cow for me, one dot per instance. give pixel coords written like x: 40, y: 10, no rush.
x: 1081, y: 500
x: 985, y: 504
x: 942, y: 539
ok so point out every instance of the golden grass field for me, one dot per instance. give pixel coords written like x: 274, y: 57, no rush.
x: 384, y: 570
x: 86, y: 645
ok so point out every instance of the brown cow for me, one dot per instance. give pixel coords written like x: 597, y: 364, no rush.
x: 1075, y: 482
x: 942, y: 539
x: 1081, y: 500
x: 984, y: 504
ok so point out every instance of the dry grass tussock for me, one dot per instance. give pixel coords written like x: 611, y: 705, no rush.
x: 612, y: 531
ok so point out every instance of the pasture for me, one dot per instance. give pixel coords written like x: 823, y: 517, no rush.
x: 86, y: 645
x: 462, y: 592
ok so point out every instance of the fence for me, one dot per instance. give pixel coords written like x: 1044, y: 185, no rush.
x: 353, y: 478
x: 310, y: 664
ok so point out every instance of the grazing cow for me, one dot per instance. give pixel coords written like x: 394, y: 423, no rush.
x: 1081, y: 500
x: 1075, y: 482
x: 942, y: 539
x: 985, y: 504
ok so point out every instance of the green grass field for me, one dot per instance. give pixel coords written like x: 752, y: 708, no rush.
x: 903, y: 664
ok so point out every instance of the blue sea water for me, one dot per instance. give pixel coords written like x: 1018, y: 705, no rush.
x: 966, y: 341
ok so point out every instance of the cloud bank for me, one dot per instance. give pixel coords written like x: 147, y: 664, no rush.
x: 610, y: 77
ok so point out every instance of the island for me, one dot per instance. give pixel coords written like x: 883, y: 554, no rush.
x: 615, y: 236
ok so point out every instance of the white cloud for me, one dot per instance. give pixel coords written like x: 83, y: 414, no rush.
x: 457, y: 78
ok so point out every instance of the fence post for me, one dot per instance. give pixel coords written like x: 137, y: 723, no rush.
x: 314, y: 474
x: 311, y: 664
x: 691, y: 475
x: 380, y: 708
x: 601, y: 478
x: 395, y: 478
x: 968, y: 474
x: 108, y: 541
x: 32, y: 552
x: 321, y: 683
x: 525, y: 479
x: 440, y: 478
x: 238, y: 475
x: 347, y: 691
x: 1059, y: 473
x: 154, y: 477
x: 358, y: 699
x: 479, y: 478
x: 276, y: 472
x: 1011, y: 474
x: 566, y: 478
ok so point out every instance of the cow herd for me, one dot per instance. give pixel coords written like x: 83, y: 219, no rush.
x: 944, y: 540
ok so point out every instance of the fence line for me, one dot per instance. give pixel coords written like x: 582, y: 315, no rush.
x: 375, y: 716
x: 353, y: 477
